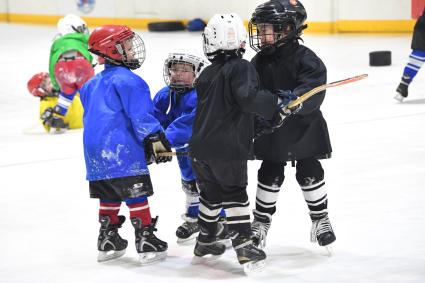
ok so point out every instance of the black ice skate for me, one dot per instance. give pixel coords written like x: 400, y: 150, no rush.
x: 402, y: 92
x: 150, y: 248
x: 251, y: 257
x: 223, y: 232
x: 188, y: 230
x: 207, y: 247
x: 260, y: 227
x: 109, y: 243
x: 321, y: 230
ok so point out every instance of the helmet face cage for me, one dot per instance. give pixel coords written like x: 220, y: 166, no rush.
x: 81, y: 29
x: 132, y: 51
x: 266, y: 35
x: 286, y: 17
x: 181, y: 70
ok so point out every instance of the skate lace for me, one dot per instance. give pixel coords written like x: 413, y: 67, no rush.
x: 190, y: 227
x: 323, y: 226
x: 259, y: 229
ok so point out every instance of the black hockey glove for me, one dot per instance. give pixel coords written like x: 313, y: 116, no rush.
x: 52, y: 119
x: 262, y: 126
x: 154, y: 144
x: 285, y: 97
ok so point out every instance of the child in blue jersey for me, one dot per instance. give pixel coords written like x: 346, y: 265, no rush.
x: 174, y: 107
x: 121, y: 137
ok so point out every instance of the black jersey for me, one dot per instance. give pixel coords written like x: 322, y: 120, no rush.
x: 418, y: 40
x: 305, y: 134
x: 228, y: 98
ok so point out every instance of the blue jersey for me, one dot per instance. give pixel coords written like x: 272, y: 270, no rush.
x: 118, y: 115
x: 176, y: 114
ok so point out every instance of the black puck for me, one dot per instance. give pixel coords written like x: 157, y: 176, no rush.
x: 380, y: 58
x: 166, y: 26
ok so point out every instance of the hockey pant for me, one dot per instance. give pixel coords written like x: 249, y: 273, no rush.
x: 222, y: 184
x: 310, y: 177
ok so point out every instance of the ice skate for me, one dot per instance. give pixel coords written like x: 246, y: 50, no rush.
x: 249, y: 256
x: 150, y: 248
x: 188, y: 230
x: 402, y: 92
x: 260, y: 227
x: 207, y: 248
x: 109, y: 243
x: 321, y: 231
x: 223, y: 233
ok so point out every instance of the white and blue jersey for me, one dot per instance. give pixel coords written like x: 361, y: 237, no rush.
x: 118, y: 115
x: 176, y: 113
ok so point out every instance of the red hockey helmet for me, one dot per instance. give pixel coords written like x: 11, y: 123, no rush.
x: 118, y: 45
x: 36, y: 85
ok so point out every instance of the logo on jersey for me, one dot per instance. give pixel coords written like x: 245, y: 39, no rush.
x: 85, y: 6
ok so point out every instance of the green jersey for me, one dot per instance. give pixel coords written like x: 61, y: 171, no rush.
x: 68, y: 42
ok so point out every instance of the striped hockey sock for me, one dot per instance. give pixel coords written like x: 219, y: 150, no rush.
x: 315, y: 195
x: 139, y: 208
x: 266, y: 197
x: 416, y: 60
x: 110, y: 209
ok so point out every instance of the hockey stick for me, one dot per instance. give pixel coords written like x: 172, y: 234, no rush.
x: 318, y: 89
x: 173, y: 153
x: 294, y: 103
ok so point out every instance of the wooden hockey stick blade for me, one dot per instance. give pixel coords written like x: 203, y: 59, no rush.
x: 318, y: 89
x: 173, y: 153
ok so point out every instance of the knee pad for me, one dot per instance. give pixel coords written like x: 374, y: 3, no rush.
x: 309, y: 171
x: 271, y: 173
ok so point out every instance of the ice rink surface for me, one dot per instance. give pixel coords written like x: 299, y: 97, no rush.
x: 375, y: 179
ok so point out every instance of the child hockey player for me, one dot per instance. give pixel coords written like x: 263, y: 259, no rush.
x: 69, y: 68
x: 221, y: 143
x: 282, y: 63
x: 41, y: 86
x: 416, y: 58
x: 121, y: 136
x: 174, y: 107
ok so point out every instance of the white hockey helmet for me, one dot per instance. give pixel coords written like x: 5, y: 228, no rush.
x: 183, y: 57
x: 72, y: 24
x: 224, y: 32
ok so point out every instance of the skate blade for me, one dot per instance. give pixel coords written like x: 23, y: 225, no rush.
x: 399, y: 97
x: 329, y: 250
x: 105, y: 256
x: 151, y: 257
x: 226, y: 242
x: 183, y: 241
x: 204, y: 259
x: 254, y: 266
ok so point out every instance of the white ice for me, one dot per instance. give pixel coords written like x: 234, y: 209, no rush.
x: 375, y: 180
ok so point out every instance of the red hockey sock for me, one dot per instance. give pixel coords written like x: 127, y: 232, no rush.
x: 110, y: 209
x: 139, y: 208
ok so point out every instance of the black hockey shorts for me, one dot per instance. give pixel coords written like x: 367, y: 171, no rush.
x: 222, y: 181
x: 119, y: 189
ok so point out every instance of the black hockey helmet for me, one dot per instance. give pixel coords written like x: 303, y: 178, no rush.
x: 287, y: 18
